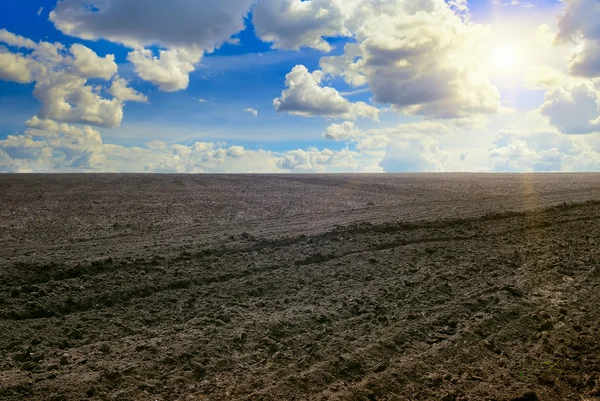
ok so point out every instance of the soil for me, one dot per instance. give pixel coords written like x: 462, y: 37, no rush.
x: 335, y: 287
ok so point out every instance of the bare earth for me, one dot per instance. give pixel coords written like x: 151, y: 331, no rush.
x: 349, y: 287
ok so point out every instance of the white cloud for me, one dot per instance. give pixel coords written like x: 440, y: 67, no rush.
x: 579, y: 23
x: 121, y: 90
x: 409, y: 147
x: 51, y: 146
x: 235, y: 151
x: 15, y: 67
x: 305, y: 97
x: 543, y: 77
x: 420, y: 57
x: 40, y: 11
x: 185, y: 29
x: 61, y: 78
x: 419, y: 129
x: 431, y: 72
x: 414, y: 155
x: 341, y: 132
x: 292, y: 24
x: 379, y: 138
x: 513, y: 150
x: 169, y: 71
x: 15, y: 40
x: 67, y: 98
x: 136, y: 23
x: 574, y: 107
x: 313, y: 160
x: 373, y: 142
x: 251, y: 111
x: 87, y: 64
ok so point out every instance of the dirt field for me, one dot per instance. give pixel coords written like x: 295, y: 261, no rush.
x: 375, y: 287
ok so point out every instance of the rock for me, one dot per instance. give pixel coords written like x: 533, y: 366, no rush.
x: 21, y: 357
x: 528, y: 396
x: 199, y: 370
x: 105, y: 349
x: 514, y: 291
x: 91, y: 392
x: 64, y: 360
x: 448, y: 397
x: 546, y: 380
x: 225, y: 318
x: 36, y: 341
x: 246, y: 236
x: 28, y: 366
x: 546, y: 326
x: 76, y: 335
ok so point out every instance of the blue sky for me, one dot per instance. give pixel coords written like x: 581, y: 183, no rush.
x: 299, y: 86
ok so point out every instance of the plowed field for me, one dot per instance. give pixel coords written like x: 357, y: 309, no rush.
x: 349, y: 287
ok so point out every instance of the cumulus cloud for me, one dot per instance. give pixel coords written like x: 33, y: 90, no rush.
x: 417, y: 56
x: 408, y: 147
x: 543, y: 77
x: 373, y: 142
x: 169, y: 70
x: 61, y: 78
x: 15, y: 40
x: 320, y: 161
x: 543, y: 150
x: 48, y: 146
x: 414, y: 155
x: 579, y: 23
x: 52, y: 147
x: 305, y: 97
x: 87, y: 64
x: 380, y: 138
x: 136, y: 23
x: 341, y: 132
x: 574, y: 107
x: 16, y: 67
x: 292, y: 24
x: 418, y: 129
x: 121, y: 90
x: 235, y: 151
x: 184, y: 29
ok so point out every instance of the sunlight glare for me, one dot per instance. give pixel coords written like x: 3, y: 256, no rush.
x: 504, y: 57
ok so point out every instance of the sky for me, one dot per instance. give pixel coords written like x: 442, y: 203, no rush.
x: 291, y: 86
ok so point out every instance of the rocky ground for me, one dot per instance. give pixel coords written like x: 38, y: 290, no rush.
x: 402, y: 287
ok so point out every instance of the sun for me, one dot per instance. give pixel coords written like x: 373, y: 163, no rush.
x: 505, y: 57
